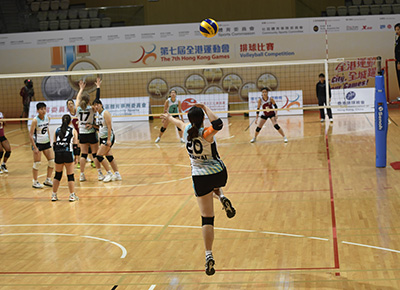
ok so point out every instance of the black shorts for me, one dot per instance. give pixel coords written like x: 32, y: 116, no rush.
x: 204, y: 184
x: 64, y: 157
x: 267, y: 117
x: 90, y: 138
x: 43, y: 147
x: 2, y: 138
x: 104, y: 141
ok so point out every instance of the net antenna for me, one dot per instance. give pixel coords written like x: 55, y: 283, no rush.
x: 327, y: 82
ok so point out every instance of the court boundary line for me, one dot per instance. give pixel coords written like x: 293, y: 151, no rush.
x: 170, y: 271
x: 333, y: 213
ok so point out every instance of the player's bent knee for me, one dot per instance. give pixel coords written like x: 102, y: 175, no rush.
x: 94, y: 155
x: 36, y: 165
x: 276, y: 126
x: 50, y: 163
x: 84, y: 155
x: 71, y: 177
x: 163, y: 129
x: 207, y: 221
x: 258, y: 129
x: 8, y: 153
x: 58, y: 175
x: 100, y: 158
x: 110, y: 158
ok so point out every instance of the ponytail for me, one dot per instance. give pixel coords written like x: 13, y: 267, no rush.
x: 66, y: 119
x: 193, y: 132
x: 196, y: 117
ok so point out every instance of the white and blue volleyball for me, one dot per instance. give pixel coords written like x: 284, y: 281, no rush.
x: 209, y: 27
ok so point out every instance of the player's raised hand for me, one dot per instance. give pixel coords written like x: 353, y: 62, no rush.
x: 82, y: 84
x: 98, y: 82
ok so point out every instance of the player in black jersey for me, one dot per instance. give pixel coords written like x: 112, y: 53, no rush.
x: 66, y: 151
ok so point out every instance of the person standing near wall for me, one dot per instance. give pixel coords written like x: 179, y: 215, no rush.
x: 397, y: 53
x: 321, y: 95
x: 28, y: 94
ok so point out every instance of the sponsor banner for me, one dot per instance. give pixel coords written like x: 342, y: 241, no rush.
x: 190, y: 31
x: 356, y: 100
x: 283, y: 99
x: 348, y: 74
x: 216, y: 102
x: 116, y: 106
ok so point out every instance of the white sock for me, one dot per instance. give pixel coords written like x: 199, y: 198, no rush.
x: 116, y: 172
x: 208, y: 253
x: 99, y: 171
x: 109, y: 172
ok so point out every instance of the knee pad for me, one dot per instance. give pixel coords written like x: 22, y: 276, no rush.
x: 163, y: 129
x: 207, y: 221
x: 58, y: 175
x: 36, y: 165
x: 84, y: 155
x: 179, y: 129
x: 71, y: 177
x: 100, y: 158
x: 276, y: 126
x: 50, y: 163
x: 1, y: 154
x: 8, y: 153
x: 110, y: 158
x: 258, y: 129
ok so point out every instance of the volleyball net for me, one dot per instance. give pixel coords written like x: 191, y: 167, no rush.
x: 140, y: 93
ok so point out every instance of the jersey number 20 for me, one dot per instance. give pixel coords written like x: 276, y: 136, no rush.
x: 195, y: 146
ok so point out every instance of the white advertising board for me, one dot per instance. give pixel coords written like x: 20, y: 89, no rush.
x: 283, y: 99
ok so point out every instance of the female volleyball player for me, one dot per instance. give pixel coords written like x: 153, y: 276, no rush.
x: 208, y: 171
x: 267, y: 103
x: 171, y: 106
x: 72, y: 110
x: 107, y: 139
x: 40, y: 140
x: 4, y: 145
x: 65, y: 148
x: 87, y: 134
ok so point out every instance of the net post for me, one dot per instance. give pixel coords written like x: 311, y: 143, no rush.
x: 327, y: 83
x: 381, y: 117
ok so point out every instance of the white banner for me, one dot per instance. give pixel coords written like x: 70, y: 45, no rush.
x: 283, y: 99
x: 116, y: 106
x: 190, y: 31
x: 356, y: 100
x: 216, y: 102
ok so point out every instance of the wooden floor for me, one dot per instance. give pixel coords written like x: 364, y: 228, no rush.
x: 311, y: 214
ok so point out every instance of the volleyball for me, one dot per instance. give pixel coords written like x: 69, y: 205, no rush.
x: 209, y: 27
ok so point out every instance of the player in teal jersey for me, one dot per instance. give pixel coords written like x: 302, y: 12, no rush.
x: 173, y: 107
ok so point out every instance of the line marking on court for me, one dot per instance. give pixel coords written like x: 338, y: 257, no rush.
x: 333, y: 214
x: 170, y: 226
x: 141, y: 184
x: 115, y: 287
x: 152, y: 287
x: 372, y: 247
x: 124, y: 251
